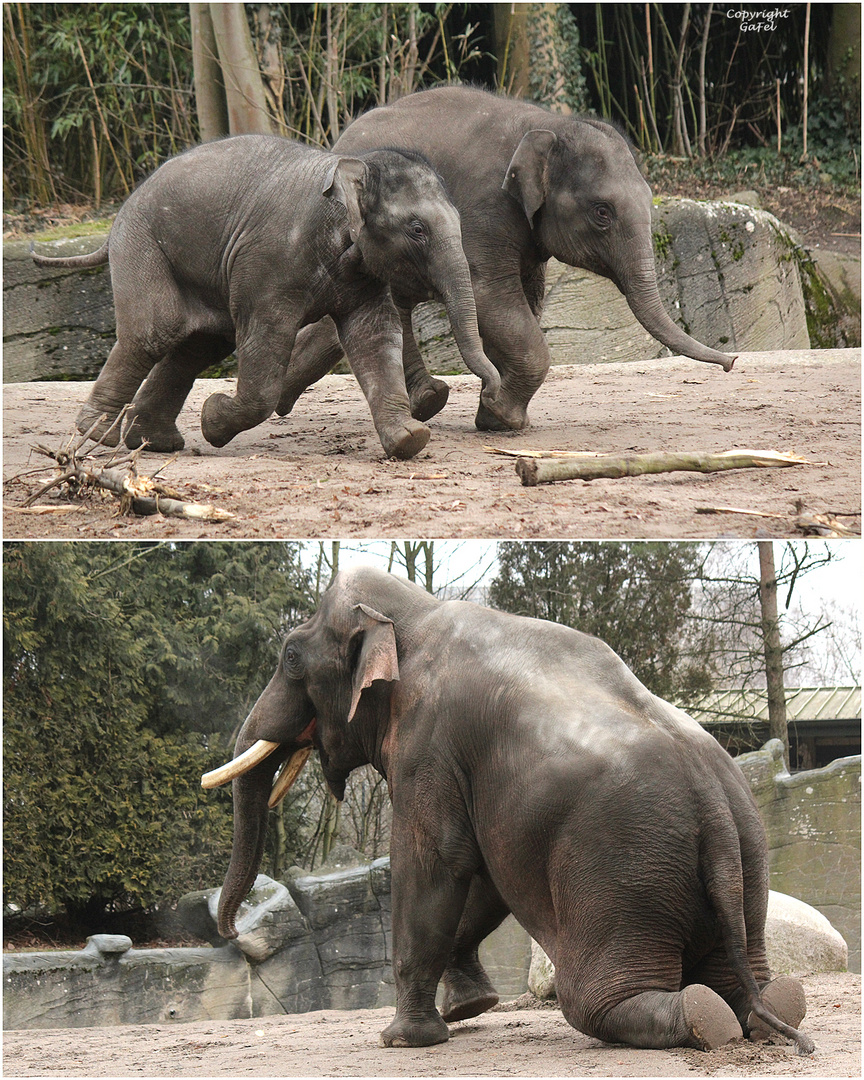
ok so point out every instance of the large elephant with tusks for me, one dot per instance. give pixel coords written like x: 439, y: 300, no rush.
x: 530, y: 772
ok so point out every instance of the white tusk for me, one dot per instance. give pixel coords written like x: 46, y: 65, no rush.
x: 247, y: 760
x: 290, y: 771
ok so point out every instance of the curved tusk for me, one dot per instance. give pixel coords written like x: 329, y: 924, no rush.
x: 247, y: 760
x: 290, y: 771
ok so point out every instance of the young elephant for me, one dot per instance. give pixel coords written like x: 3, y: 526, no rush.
x: 530, y: 772
x: 237, y: 244
x: 529, y: 184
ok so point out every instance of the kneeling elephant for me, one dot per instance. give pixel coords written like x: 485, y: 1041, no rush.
x: 530, y: 772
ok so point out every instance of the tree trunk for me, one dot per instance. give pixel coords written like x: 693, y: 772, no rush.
x: 844, y: 48
x: 210, y: 102
x: 244, y: 88
x: 772, y: 647
x: 518, y: 30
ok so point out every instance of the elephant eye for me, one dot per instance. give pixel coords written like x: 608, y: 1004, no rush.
x: 417, y: 230
x: 292, y: 662
x: 602, y: 215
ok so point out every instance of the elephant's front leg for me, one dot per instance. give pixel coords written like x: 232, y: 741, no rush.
x: 263, y: 349
x: 428, y: 900
x: 515, y: 344
x: 372, y: 338
x: 428, y: 396
x: 316, y: 350
x: 467, y: 989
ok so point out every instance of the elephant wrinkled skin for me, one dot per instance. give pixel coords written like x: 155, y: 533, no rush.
x: 238, y: 244
x: 530, y: 772
x: 529, y: 184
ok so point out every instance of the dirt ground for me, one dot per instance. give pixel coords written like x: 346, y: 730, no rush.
x: 320, y: 472
x: 510, y: 1041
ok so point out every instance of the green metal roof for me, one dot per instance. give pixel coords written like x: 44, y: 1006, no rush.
x: 803, y: 704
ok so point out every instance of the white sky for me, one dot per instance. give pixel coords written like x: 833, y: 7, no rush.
x: 837, y: 588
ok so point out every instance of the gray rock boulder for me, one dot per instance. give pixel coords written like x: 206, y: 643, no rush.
x: 798, y: 938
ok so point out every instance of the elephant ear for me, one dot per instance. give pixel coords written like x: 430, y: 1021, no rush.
x: 377, y: 658
x: 345, y: 181
x: 527, y: 178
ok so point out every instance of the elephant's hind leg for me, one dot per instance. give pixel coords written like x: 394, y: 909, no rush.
x: 157, y: 404
x: 125, y: 369
x: 467, y: 988
x: 658, y: 1020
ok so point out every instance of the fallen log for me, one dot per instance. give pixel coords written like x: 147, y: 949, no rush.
x: 546, y: 467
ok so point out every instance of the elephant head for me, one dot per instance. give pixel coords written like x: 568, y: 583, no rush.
x: 408, y: 233
x: 590, y: 207
x: 330, y: 691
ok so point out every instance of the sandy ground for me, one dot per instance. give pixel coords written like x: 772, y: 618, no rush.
x: 320, y: 472
x: 507, y: 1042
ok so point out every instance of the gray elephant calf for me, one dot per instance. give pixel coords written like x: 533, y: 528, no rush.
x: 530, y: 772
x: 238, y: 244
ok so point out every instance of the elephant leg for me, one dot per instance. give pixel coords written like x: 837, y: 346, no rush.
x: 428, y: 901
x: 316, y: 350
x: 428, y: 396
x: 695, y: 1017
x: 628, y: 989
x: 158, y: 403
x: 372, y: 338
x: 515, y: 344
x: 261, y: 363
x: 124, y: 371
x: 467, y: 988
x: 782, y: 996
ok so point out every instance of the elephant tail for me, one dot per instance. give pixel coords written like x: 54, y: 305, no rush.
x: 722, y: 872
x: 72, y: 262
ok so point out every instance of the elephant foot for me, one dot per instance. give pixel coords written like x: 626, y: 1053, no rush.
x: 497, y: 415
x: 465, y: 997
x: 784, y: 997
x: 218, y: 425
x: 106, y: 432
x: 428, y: 399
x: 709, y: 1020
x: 406, y: 441
x: 161, y: 438
x: 288, y: 400
x: 404, y: 1032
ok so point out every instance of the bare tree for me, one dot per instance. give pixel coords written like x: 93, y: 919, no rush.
x: 228, y: 83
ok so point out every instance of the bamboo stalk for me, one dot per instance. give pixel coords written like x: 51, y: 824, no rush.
x: 537, y: 467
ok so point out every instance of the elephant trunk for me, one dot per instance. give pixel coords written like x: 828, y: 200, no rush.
x: 251, y: 795
x: 643, y: 296
x: 452, y: 280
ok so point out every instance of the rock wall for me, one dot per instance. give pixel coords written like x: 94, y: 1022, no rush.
x: 324, y: 941
x: 56, y: 323
x: 731, y: 275
x: 813, y: 821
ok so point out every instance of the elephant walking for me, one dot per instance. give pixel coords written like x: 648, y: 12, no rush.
x: 238, y: 244
x: 530, y: 772
x: 529, y: 185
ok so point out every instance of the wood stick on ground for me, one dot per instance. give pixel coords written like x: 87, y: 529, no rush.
x: 812, y: 524
x: 534, y: 469
x: 137, y: 493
